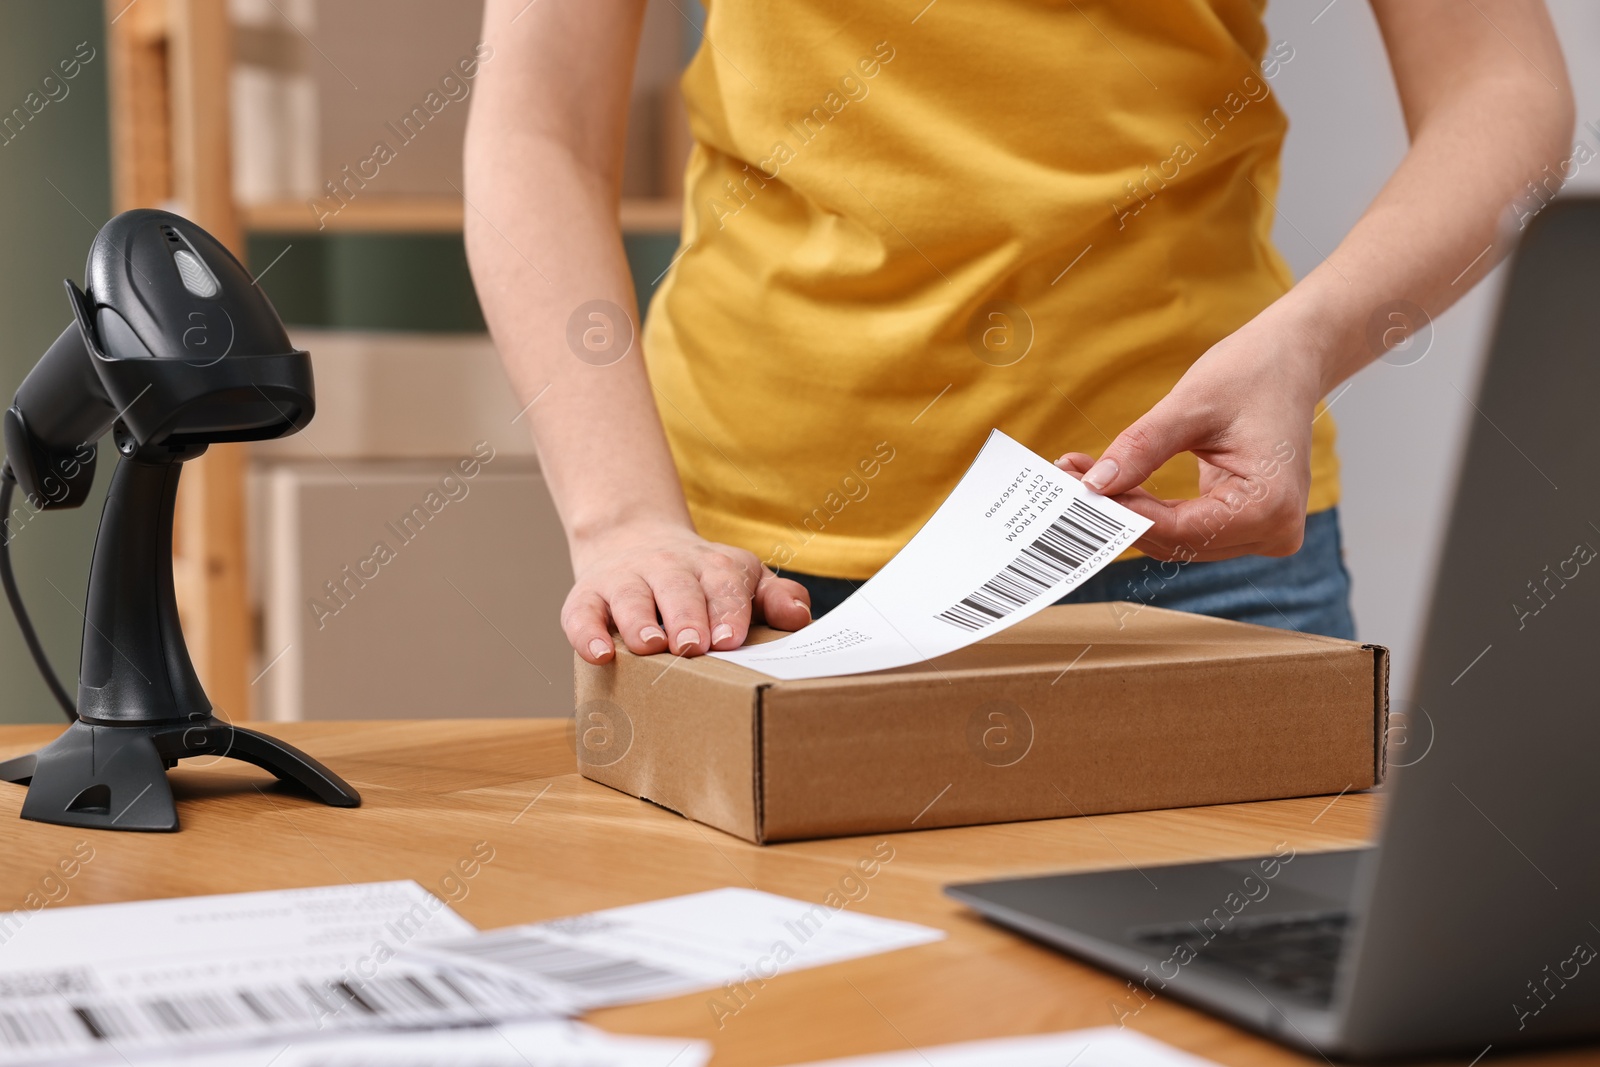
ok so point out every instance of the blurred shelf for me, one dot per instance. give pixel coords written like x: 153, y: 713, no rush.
x: 652, y: 216
x: 425, y: 214
x: 373, y: 214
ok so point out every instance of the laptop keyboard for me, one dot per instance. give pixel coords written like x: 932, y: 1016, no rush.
x: 1298, y: 955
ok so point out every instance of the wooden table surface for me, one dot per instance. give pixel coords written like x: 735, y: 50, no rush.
x: 562, y: 845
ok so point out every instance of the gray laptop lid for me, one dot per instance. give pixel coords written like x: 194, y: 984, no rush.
x: 1484, y: 913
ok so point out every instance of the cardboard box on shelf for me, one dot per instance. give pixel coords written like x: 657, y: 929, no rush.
x: 1080, y: 710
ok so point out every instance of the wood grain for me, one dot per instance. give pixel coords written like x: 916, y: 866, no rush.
x: 141, y: 117
x: 564, y: 845
x: 376, y: 213
x: 200, y: 64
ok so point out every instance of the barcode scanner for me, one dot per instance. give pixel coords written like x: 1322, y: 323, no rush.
x: 172, y: 347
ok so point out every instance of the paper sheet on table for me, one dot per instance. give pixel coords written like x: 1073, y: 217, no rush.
x: 541, y: 1044
x: 665, y: 948
x: 1106, y: 1046
x: 157, y: 975
x: 1013, y: 537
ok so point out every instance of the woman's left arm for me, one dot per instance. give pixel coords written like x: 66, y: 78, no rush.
x: 1487, y: 104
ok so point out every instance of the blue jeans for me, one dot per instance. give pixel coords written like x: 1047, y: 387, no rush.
x: 1308, y: 591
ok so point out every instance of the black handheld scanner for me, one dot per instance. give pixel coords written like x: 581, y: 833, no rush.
x: 171, y: 342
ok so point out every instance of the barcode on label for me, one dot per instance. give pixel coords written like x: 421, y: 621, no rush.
x: 438, y: 997
x: 1054, y: 556
x: 40, y: 983
x: 594, y: 974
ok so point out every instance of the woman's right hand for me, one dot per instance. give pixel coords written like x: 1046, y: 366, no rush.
x: 665, y: 588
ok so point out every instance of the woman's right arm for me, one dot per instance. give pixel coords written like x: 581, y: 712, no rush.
x: 542, y: 184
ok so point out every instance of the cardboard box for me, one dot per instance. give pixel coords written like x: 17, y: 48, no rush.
x: 1081, y: 710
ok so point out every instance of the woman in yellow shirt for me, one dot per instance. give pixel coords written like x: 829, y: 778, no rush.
x: 907, y: 223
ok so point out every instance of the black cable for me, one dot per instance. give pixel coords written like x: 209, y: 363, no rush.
x: 8, y: 577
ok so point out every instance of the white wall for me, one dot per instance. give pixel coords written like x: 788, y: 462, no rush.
x: 1401, y: 428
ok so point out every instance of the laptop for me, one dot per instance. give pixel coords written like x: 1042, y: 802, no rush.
x: 1474, y: 921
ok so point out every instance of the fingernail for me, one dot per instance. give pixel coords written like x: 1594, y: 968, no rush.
x: 599, y: 649
x: 1062, y: 462
x: 1100, y: 474
x: 721, y: 633
x: 803, y: 606
x: 688, y: 638
x: 652, y: 633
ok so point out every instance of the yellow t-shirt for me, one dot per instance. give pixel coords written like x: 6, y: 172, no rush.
x: 908, y: 223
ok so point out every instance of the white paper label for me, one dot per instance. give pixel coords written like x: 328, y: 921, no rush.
x: 135, y: 978
x: 665, y: 948
x: 1013, y: 537
x: 1106, y: 1046
x: 541, y: 1044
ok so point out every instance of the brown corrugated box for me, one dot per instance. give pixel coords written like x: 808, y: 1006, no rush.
x: 1080, y: 710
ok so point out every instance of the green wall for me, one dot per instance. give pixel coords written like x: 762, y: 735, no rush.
x: 398, y: 281
x: 54, y: 195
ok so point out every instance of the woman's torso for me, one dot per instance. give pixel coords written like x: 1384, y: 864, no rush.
x: 910, y: 223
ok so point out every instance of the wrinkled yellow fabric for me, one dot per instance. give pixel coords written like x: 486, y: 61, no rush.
x: 908, y: 224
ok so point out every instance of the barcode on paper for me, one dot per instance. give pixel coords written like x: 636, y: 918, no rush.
x: 66, y: 1023
x: 1071, y: 541
x: 594, y: 974
x: 42, y: 983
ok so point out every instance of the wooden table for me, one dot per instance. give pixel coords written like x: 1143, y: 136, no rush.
x: 562, y: 845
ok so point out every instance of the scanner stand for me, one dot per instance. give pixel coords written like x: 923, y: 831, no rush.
x: 141, y: 707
